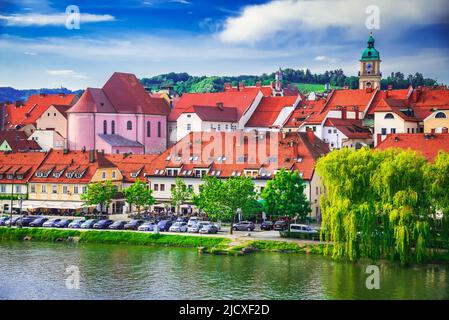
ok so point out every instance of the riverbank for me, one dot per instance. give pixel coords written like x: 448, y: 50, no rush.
x: 205, y: 244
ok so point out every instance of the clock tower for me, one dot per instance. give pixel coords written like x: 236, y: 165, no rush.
x: 369, y: 74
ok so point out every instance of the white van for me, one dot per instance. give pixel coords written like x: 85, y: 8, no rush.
x: 302, y: 228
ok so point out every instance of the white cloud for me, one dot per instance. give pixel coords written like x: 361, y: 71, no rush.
x: 263, y: 21
x: 66, y: 73
x: 181, y: 1
x: 325, y: 59
x: 30, y: 53
x: 55, y: 19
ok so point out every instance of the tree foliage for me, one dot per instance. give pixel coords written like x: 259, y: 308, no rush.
x: 99, y: 193
x: 139, y: 195
x: 223, y: 199
x: 377, y: 203
x: 180, y: 194
x: 284, y: 196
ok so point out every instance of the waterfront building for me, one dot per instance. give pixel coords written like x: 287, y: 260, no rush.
x: 120, y: 118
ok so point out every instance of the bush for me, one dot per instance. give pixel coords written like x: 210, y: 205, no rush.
x: 300, y: 235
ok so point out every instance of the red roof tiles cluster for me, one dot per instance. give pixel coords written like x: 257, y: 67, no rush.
x: 132, y: 167
x: 17, y: 141
x: 269, y: 109
x: 308, y: 110
x: 20, y: 165
x: 236, y: 154
x: 428, y: 144
x: 351, y: 128
x: 34, y: 107
x: 122, y: 93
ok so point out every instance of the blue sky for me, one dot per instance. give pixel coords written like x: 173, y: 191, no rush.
x: 149, y: 37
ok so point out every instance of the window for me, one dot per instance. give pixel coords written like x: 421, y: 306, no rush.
x: 65, y: 189
x: 18, y: 189
x: 103, y: 175
x: 75, y: 190
x: 189, y: 127
x: 44, y: 188
x: 48, y: 114
x: 54, y: 114
x: 156, y: 187
x: 384, y: 131
x: 389, y: 116
x: 226, y: 127
x: 113, y: 174
x: 317, y: 190
x: 218, y: 127
x: 112, y: 127
x: 335, y: 130
x: 148, y: 129
x: 84, y: 189
x: 3, y: 188
x: 393, y: 130
x: 54, y: 189
x: 413, y: 130
x: 159, y: 129
x: 189, y: 116
x: 329, y: 131
x: 105, y: 127
x: 172, y: 187
x: 129, y: 125
x: 314, y: 129
x: 440, y: 115
x: 162, y: 187
x: 33, y: 188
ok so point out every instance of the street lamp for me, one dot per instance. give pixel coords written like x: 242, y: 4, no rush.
x: 20, y: 197
x: 11, y: 204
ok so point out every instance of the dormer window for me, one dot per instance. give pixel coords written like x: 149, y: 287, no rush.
x: 19, y: 177
x: 134, y: 174
x: 9, y: 176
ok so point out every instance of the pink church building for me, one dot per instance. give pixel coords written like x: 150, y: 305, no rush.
x: 121, y: 117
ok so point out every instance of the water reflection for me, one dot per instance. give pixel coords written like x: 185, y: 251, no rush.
x: 36, y: 271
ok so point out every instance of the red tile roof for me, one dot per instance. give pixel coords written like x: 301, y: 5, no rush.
x: 238, y: 100
x: 69, y: 164
x: 268, y: 110
x: 17, y: 141
x: 34, y: 107
x: 309, y: 110
x: 213, y: 113
x: 19, y: 163
x: 350, y: 98
x: 133, y: 166
x: 427, y: 144
x: 351, y: 128
x: 122, y: 93
x: 295, y: 151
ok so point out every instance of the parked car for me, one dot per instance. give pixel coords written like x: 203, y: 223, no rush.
x: 25, y: 221
x: 117, y: 225
x: 64, y: 223
x: 244, y: 226
x: 302, y: 228
x: 3, y: 220
x: 193, y: 227
x: 51, y: 223
x: 164, y: 225
x: 280, y: 225
x: 88, y: 224
x: 208, y: 228
x: 178, y: 227
x: 193, y: 220
x: 147, y: 226
x: 76, y: 224
x: 38, y: 222
x: 103, y: 224
x: 267, y: 225
x: 13, y: 223
x: 133, y: 224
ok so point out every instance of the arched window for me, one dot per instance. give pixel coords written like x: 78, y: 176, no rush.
x: 389, y: 116
x: 112, y: 127
x: 105, y: 127
x: 440, y: 115
x: 148, y: 129
x: 159, y: 129
x: 129, y: 125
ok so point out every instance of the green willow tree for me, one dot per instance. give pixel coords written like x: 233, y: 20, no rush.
x: 223, y: 199
x: 376, y: 204
x: 139, y: 195
x: 284, y: 196
x: 180, y: 194
x: 99, y: 193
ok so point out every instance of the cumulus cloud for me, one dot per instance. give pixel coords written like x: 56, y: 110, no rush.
x: 53, y: 19
x: 259, y: 22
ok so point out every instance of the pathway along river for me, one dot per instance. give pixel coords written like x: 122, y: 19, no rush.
x: 31, y: 270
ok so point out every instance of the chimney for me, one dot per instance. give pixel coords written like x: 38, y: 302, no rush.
x: 62, y: 94
x: 390, y: 87
x: 356, y: 109
x: 445, y: 130
x: 91, y: 156
x: 227, y: 86
x: 241, y: 85
x: 259, y: 84
x: 379, y: 138
x: 343, y: 113
x: 310, y: 135
x: 220, y: 105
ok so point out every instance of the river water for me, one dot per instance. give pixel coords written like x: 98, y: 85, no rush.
x: 32, y: 270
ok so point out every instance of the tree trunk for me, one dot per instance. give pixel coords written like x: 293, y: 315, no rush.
x: 231, y: 229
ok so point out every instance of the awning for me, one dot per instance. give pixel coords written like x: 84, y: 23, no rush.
x: 30, y: 204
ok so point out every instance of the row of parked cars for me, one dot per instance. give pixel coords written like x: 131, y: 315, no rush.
x: 194, y: 225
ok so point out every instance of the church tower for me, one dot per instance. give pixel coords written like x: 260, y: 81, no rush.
x: 369, y: 74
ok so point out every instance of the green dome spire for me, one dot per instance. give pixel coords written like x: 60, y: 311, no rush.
x: 370, y: 53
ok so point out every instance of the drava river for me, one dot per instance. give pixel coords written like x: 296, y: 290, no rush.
x: 32, y: 270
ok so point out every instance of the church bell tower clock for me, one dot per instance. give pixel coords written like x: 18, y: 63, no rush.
x: 369, y: 74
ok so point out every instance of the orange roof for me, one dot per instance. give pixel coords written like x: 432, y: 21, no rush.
x: 21, y: 164
x: 295, y: 151
x: 238, y: 100
x: 350, y: 98
x: 34, y: 107
x: 427, y: 144
x: 268, y: 110
x: 133, y: 166
x: 351, y: 128
x: 309, y: 110
x: 74, y: 167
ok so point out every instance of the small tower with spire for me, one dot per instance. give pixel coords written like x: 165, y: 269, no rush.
x: 369, y: 74
x: 278, y: 90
